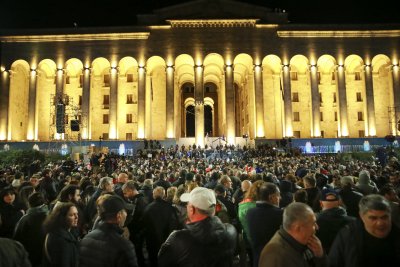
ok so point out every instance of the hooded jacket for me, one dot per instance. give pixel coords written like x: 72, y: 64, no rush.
x: 205, y: 243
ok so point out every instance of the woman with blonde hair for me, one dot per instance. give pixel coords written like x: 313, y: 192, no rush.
x: 249, y: 201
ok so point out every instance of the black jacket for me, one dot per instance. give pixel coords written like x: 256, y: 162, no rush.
x: 105, y: 247
x: 30, y: 233
x: 262, y: 221
x: 351, y: 199
x: 348, y: 248
x: 329, y: 223
x: 12, y: 253
x: 62, y: 247
x: 10, y: 215
x: 207, y: 243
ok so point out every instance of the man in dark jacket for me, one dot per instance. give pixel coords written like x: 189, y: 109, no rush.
x: 105, y: 245
x: 206, y: 242
x: 331, y: 219
x: 132, y: 195
x: 265, y: 219
x: 13, y: 253
x: 349, y: 196
x: 29, y: 230
x: 371, y: 241
x: 159, y: 220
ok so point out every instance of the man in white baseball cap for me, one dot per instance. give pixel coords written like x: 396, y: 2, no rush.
x: 205, y: 241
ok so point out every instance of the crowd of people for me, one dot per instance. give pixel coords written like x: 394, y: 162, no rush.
x: 184, y: 207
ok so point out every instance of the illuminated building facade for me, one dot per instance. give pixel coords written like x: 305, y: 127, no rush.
x: 227, y: 69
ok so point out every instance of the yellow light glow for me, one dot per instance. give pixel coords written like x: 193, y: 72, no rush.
x: 140, y: 133
x: 2, y: 68
x: 260, y: 132
x: 372, y: 131
x: 170, y: 133
x: 30, y: 136
x: 231, y: 139
x: 113, y: 132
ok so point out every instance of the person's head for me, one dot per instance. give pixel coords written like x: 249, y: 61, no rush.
x: 220, y: 190
x: 129, y: 189
x: 171, y: 191
x: 329, y: 199
x: 63, y: 216
x: 70, y: 193
x: 254, y: 192
x: 34, y: 180
x: 36, y: 199
x: 245, y: 185
x: 158, y: 192
x: 270, y: 193
x: 347, y: 181
x: 301, y: 196
x: 389, y: 193
x: 394, y: 178
x: 226, y: 181
x: 375, y: 212
x: 364, y: 177
x: 309, y: 181
x: 113, y: 209
x: 201, y: 203
x: 122, y: 178
x: 7, y: 195
x: 106, y: 184
x: 299, y: 221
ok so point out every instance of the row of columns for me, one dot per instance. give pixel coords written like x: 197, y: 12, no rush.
x: 199, y: 102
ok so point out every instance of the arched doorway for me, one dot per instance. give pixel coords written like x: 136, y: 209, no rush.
x: 208, y: 120
x: 190, y: 121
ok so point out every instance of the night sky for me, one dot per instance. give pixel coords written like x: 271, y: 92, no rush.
x: 101, y: 13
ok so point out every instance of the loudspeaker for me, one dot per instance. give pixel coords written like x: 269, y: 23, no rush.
x: 60, y: 114
x: 75, y: 125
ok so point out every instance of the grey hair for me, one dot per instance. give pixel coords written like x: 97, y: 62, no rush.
x: 295, y: 212
x: 374, y: 202
x: 158, y: 192
x: 104, y: 181
x: 208, y: 212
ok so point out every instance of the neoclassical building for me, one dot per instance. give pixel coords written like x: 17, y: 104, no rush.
x: 203, y: 68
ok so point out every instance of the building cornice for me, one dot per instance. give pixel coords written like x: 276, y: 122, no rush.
x: 339, y: 34
x: 213, y: 23
x: 74, y: 37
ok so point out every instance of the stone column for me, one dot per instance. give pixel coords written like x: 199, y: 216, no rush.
x: 60, y: 84
x: 287, y: 101
x: 86, y: 131
x: 258, y: 86
x: 199, y: 105
x: 316, y: 115
x: 113, y: 103
x: 344, y: 130
x: 230, y: 105
x: 370, y: 104
x: 170, y: 102
x: 396, y: 97
x: 5, y: 93
x: 31, y: 134
x: 141, y: 101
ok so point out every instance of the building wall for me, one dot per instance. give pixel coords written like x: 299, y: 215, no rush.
x: 269, y: 46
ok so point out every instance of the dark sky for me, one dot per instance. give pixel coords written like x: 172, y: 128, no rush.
x: 90, y: 13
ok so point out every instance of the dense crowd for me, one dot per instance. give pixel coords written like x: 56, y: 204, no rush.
x: 186, y: 206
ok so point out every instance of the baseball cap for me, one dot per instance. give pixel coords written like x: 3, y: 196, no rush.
x: 200, y: 197
x: 328, y: 194
x: 114, y: 204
